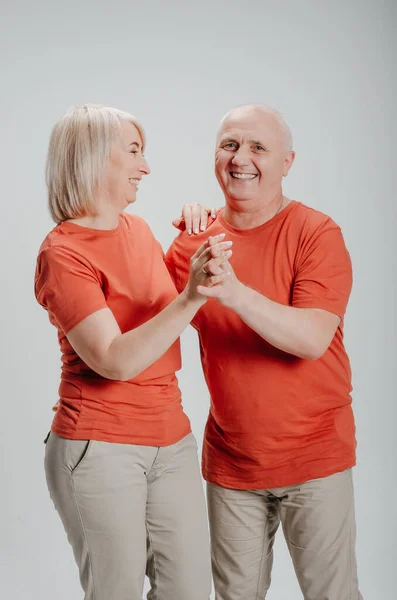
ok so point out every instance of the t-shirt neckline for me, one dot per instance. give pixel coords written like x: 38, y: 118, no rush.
x: 75, y: 228
x: 281, y: 215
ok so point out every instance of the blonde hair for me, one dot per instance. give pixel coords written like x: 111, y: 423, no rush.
x: 78, y: 151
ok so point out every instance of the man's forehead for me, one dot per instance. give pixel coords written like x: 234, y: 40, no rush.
x: 238, y: 132
x: 246, y: 131
x: 249, y: 116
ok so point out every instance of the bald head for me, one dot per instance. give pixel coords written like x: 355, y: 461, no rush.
x: 253, y: 153
x: 260, y: 111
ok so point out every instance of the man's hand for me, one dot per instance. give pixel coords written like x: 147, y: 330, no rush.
x: 206, y: 266
x: 194, y: 218
x: 226, y: 290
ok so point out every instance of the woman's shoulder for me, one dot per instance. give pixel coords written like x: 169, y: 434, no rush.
x: 57, y: 248
x: 136, y: 226
x: 134, y: 221
x: 51, y: 240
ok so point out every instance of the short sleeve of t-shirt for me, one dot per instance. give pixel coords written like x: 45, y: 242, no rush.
x: 67, y: 287
x: 170, y: 264
x: 323, y: 271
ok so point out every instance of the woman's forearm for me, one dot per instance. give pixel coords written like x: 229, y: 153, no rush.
x: 131, y: 353
x: 122, y: 356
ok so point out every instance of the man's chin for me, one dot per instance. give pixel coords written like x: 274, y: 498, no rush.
x: 239, y: 198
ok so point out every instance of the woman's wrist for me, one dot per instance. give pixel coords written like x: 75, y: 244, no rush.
x: 190, y: 300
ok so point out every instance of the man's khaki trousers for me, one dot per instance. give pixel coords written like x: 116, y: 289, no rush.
x: 128, y: 509
x: 319, y: 527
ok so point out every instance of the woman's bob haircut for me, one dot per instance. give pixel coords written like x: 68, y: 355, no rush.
x: 77, y: 156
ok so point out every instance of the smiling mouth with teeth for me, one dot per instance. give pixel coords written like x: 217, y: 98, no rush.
x: 243, y: 175
x: 134, y: 182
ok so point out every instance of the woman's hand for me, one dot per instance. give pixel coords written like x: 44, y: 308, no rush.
x: 194, y: 218
x: 206, y: 266
x: 227, y: 289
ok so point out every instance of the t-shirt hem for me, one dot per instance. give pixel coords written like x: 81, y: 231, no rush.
x: 282, y: 480
x: 123, y: 439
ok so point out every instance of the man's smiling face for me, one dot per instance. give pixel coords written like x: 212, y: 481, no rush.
x: 252, y: 155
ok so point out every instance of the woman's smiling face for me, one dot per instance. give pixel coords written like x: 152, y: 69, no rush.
x: 126, y: 166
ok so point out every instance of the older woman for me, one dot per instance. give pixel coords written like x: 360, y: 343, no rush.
x: 121, y: 461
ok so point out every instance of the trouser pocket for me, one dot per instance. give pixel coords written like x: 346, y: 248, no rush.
x: 61, y: 452
x: 77, y: 452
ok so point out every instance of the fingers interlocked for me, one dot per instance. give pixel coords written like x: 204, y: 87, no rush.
x: 209, y: 262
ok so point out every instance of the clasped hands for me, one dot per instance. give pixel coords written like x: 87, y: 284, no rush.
x: 211, y: 274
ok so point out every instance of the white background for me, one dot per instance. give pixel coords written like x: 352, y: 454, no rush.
x: 329, y: 66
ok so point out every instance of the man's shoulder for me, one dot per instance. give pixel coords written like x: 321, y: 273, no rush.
x: 184, y: 245
x: 311, y: 216
x: 310, y: 220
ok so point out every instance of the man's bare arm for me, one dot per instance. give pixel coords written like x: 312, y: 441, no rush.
x: 303, y: 332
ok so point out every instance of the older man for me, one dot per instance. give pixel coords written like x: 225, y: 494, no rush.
x: 280, y: 437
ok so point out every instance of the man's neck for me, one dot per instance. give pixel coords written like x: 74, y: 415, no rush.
x: 250, y: 216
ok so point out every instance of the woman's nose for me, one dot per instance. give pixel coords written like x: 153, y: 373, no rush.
x: 144, y: 167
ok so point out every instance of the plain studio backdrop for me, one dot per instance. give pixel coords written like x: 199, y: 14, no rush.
x: 329, y: 67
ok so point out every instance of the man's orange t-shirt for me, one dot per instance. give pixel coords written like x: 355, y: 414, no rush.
x: 275, y: 419
x: 82, y: 270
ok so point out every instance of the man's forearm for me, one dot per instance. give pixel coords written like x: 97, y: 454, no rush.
x: 298, y: 331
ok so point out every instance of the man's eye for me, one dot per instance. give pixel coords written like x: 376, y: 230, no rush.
x: 259, y: 147
x: 230, y: 145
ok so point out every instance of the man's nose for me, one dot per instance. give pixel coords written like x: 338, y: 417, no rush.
x: 241, y: 157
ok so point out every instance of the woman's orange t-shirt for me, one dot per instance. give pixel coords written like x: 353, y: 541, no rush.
x: 80, y: 271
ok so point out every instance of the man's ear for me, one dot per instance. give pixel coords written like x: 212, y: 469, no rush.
x: 289, y: 159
